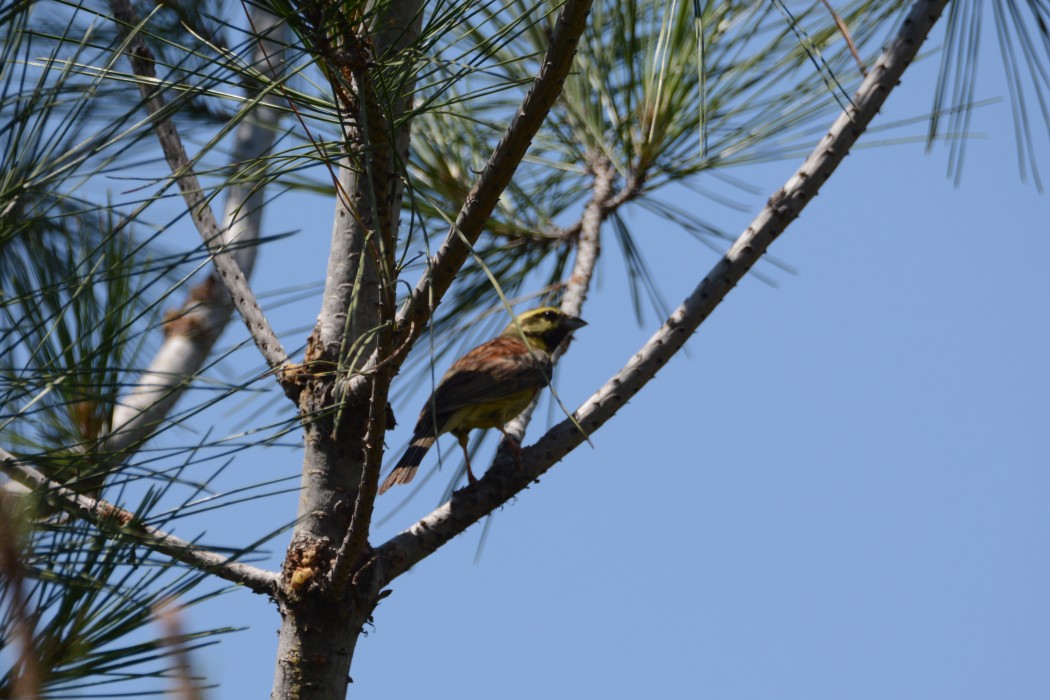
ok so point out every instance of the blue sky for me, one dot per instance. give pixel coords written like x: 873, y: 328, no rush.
x: 840, y: 492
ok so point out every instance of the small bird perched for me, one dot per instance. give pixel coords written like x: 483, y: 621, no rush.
x: 488, y: 386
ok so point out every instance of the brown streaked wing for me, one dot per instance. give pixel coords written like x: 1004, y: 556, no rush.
x: 490, y: 372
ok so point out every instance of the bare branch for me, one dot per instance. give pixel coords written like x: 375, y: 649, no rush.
x: 226, y: 265
x: 192, y: 331
x: 343, y: 449
x: 600, y: 206
x: 111, y: 519
x: 353, y: 272
x: 500, y: 169
x: 480, y: 202
x: 504, y: 479
x: 588, y: 248
x: 358, y: 306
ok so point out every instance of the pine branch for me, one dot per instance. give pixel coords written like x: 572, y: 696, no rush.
x: 113, y: 520
x: 193, y: 330
x: 226, y: 265
x: 498, y: 172
x: 602, y: 203
x: 503, y: 480
x: 588, y: 247
x: 480, y: 202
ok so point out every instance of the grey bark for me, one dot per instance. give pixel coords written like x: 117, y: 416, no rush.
x: 111, y: 518
x: 226, y: 266
x: 322, y: 617
x: 189, y: 340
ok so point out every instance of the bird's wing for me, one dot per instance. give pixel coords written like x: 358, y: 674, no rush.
x: 492, y: 371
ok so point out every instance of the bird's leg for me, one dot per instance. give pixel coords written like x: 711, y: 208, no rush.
x: 515, y: 446
x: 462, y: 437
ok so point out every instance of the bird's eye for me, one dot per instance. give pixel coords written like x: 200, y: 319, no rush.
x: 550, y: 315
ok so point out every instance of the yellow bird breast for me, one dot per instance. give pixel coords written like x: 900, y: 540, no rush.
x: 493, y: 414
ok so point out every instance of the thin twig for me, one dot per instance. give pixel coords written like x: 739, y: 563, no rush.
x: 504, y: 479
x: 631, y: 190
x: 500, y: 169
x: 226, y: 265
x: 111, y: 519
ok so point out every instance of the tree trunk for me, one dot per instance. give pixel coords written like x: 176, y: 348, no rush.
x: 322, y: 611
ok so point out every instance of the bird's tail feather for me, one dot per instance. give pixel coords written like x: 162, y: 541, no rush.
x: 406, y: 467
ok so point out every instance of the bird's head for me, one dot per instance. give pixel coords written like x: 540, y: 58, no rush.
x: 544, y: 328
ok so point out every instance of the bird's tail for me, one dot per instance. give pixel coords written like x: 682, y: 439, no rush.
x: 406, y: 467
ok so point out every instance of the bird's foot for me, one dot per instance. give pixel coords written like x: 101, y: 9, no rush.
x: 515, y: 449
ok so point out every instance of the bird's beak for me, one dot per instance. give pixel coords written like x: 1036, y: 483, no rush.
x: 572, y: 323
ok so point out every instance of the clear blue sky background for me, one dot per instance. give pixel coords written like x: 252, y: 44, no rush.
x: 841, y: 493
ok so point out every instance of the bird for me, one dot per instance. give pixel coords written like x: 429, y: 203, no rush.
x: 488, y: 387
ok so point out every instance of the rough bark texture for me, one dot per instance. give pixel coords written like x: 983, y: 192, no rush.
x: 322, y: 614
